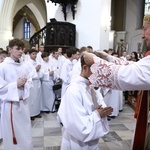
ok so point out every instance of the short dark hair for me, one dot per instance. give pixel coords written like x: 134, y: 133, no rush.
x: 16, y: 42
x: 32, y: 51
x: 90, y: 47
x: 82, y: 49
x: 26, y: 51
x: 54, y: 50
x: 4, y: 52
x: 77, y: 50
x: 45, y: 54
x: 70, y: 52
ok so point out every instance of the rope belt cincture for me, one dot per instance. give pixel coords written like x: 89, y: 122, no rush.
x: 12, y: 125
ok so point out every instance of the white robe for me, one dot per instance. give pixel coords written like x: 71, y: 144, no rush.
x: 82, y: 124
x: 114, y: 99
x: 35, y: 98
x: 39, y: 58
x: 76, y: 70
x: 0, y: 122
x: 62, y: 58
x: 10, y: 71
x: 66, y: 73
x: 48, y: 96
x: 56, y: 66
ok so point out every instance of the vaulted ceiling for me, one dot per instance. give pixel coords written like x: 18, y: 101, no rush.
x: 25, y: 12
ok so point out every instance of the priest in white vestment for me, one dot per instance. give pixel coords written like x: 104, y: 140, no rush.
x: 15, y: 86
x: 83, y: 115
x: 119, y: 74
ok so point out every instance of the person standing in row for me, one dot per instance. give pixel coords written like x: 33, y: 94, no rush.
x: 83, y: 114
x: 66, y: 70
x: 35, y: 98
x: 47, y: 82
x: 14, y: 89
x: 39, y: 58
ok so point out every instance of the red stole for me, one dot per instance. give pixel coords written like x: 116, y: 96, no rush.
x: 141, y: 113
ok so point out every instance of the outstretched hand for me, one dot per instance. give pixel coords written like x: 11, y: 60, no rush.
x: 101, y: 54
x: 88, y: 58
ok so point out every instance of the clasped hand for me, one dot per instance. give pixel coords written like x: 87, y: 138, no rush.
x: 38, y: 67
x: 21, y: 82
x: 104, y: 112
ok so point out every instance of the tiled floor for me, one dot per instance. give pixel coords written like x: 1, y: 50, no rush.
x: 46, y: 132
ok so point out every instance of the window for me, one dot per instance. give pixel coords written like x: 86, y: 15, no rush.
x: 27, y: 27
x: 147, y: 6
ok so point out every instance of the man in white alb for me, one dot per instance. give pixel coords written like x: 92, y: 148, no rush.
x: 14, y: 89
x: 83, y: 115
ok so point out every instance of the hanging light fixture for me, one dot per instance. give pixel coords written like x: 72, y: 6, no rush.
x: 65, y: 4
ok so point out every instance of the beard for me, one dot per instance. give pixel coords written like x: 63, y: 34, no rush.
x: 145, y: 47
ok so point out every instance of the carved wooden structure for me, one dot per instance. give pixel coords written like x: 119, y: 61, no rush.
x: 54, y: 35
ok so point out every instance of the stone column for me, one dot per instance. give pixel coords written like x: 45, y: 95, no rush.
x: 6, y: 18
x: 139, y: 13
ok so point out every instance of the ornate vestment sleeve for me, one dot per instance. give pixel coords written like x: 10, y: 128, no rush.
x: 104, y: 74
x: 118, y: 61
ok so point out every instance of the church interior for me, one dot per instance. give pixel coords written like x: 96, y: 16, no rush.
x: 104, y: 25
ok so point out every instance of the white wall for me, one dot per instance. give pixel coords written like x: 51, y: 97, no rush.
x: 105, y: 21
x: 89, y: 21
x: 133, y: 35
x: 111, y: 39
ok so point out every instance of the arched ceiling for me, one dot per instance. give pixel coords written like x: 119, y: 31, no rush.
x: 25, y: 12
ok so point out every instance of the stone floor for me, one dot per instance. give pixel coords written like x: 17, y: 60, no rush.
x: 46, y: 132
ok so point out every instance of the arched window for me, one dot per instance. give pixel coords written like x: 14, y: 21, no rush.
x: 147, y: 7
x: 27, y: 26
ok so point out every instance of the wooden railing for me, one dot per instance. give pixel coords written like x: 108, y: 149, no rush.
x: 38, y: 38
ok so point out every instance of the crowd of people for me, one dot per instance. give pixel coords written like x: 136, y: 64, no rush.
x: 90, y: 82
x: 34, y: 73
x: 44, y: 70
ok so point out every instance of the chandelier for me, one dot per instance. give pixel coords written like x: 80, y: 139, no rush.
x: 65, y: 4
